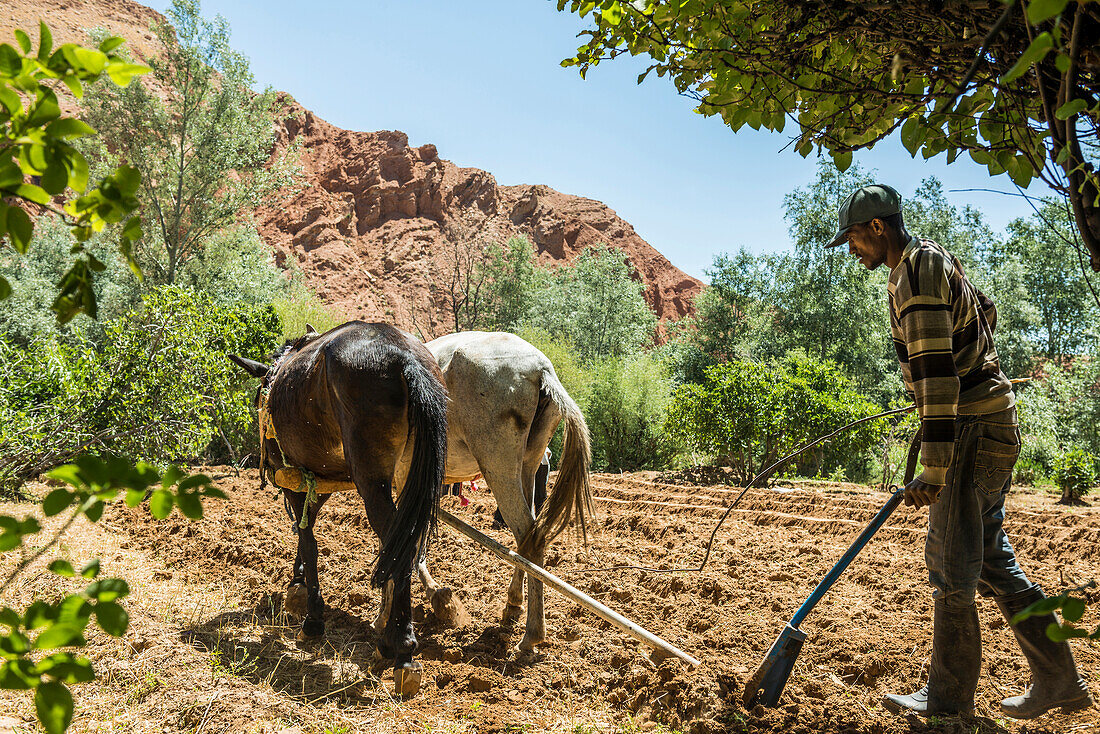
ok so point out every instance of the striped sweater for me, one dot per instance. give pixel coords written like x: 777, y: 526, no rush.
x: 942, y: 327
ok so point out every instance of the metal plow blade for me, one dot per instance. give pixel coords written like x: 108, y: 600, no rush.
x: 767, y: 683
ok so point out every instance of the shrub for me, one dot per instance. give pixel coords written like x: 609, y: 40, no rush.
x: 1075, y: 474
x: 625, y: 406
x: 158, y: 387
x: 748, y: 414
x: 300, y: 307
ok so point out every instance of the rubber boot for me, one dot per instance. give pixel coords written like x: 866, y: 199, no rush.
x: 1054, y: 679
x: 954, y: 668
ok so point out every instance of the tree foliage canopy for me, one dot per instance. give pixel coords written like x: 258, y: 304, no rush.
x: 38, y: 160
x: 200, y: 137
x: 1014, y: 85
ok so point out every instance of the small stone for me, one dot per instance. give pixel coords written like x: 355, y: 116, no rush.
x: 290, y: 730
x: 480, y: 683
x: 452, y: 654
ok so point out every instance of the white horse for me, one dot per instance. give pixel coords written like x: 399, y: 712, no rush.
x: 505, y: 402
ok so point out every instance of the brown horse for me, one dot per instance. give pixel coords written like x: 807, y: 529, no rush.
x: 363, y: 403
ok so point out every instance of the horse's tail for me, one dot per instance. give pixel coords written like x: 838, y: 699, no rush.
x: 571, y: 495
x: 414, y: 525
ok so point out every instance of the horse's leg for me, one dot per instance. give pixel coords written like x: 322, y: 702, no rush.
x: 303, y: 594
x: 446, y: 606
x: 513, y: 487
x: 398, y: 640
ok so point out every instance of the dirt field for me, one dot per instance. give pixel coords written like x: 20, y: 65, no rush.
x: 209, y: 652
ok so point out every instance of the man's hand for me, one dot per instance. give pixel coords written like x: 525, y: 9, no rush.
x: 919, y: 494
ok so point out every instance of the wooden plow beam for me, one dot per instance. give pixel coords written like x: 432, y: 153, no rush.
x: 601, y: 611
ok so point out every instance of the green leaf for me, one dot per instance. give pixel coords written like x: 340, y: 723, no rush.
x: 5, y: 288
x: 45, y: 41
x: 10, y: 617
x: 1040, y: 10
x: 1063, y: 632
x: 95, y: 511
x: 173, y: 475
x: 193, y: 481
x: 74, y: 85
x: 23, y: 39
x: 57, y: 501
x: 106, y: 590
x: 66, y: 667
x: 1071, y: 108
x: 190, y: 505
x: 122, y: 73
x: 112, y: 618
x: 1039, y: 48
x: 1073, y: 609
x: 55, y: 178
x: 910, y: 135
x: 61, y: 634
x: 38, y: 614
x: 10, y: 100
x: 842, y: 160
x: 20, y: 229
x: 160, y: 504
x: 134, y: 497
x: 18, y: 675
x: 69, y: 127
x: 1039, y: 608
x: 32, y: 193
x: 54, y: 704
x: 110, y: 44
x: 90, y: 569
x: 10, y: 62
x: 68, y: 473
x: 62, y: 568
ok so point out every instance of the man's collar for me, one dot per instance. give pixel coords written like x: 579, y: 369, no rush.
x: 909, y: 247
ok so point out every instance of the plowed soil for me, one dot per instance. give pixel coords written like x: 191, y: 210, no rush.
x: 211, y: 651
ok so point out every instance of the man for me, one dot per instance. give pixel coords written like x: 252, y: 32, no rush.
x: 942, y: 327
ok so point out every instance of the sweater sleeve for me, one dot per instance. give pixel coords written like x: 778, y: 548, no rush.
x: 924, y: 313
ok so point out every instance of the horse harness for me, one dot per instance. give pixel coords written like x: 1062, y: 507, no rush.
x: 290, y: 477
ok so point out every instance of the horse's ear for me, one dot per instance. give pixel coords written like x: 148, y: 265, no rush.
x: 310, y: 329
x: 256, y: 369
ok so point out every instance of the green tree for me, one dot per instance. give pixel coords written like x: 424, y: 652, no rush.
x: 38, y: 159
x: 1065, y: 305
x: 625, y: 405
x: 200, y: 137
x: 597, y: 305
x: 1011, y: 85
x: 512, y: 284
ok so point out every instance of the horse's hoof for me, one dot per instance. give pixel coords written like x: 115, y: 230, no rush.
x: 296, y: 600
x: 448, y: 609
x: 511, y: 615
x: 406, y: 679
x: 311, y: 629
x: 529, y: 642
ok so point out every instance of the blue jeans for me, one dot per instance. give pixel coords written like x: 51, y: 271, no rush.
x: 967, y: 550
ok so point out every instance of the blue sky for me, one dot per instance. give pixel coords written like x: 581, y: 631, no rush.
x: 482, y: 81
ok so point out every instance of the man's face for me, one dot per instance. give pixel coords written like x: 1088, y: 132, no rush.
x: 868, y: 243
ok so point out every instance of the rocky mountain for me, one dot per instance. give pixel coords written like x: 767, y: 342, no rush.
x: 377, y: 224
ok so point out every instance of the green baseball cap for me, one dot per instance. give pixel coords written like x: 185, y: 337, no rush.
x: 876, y: 201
